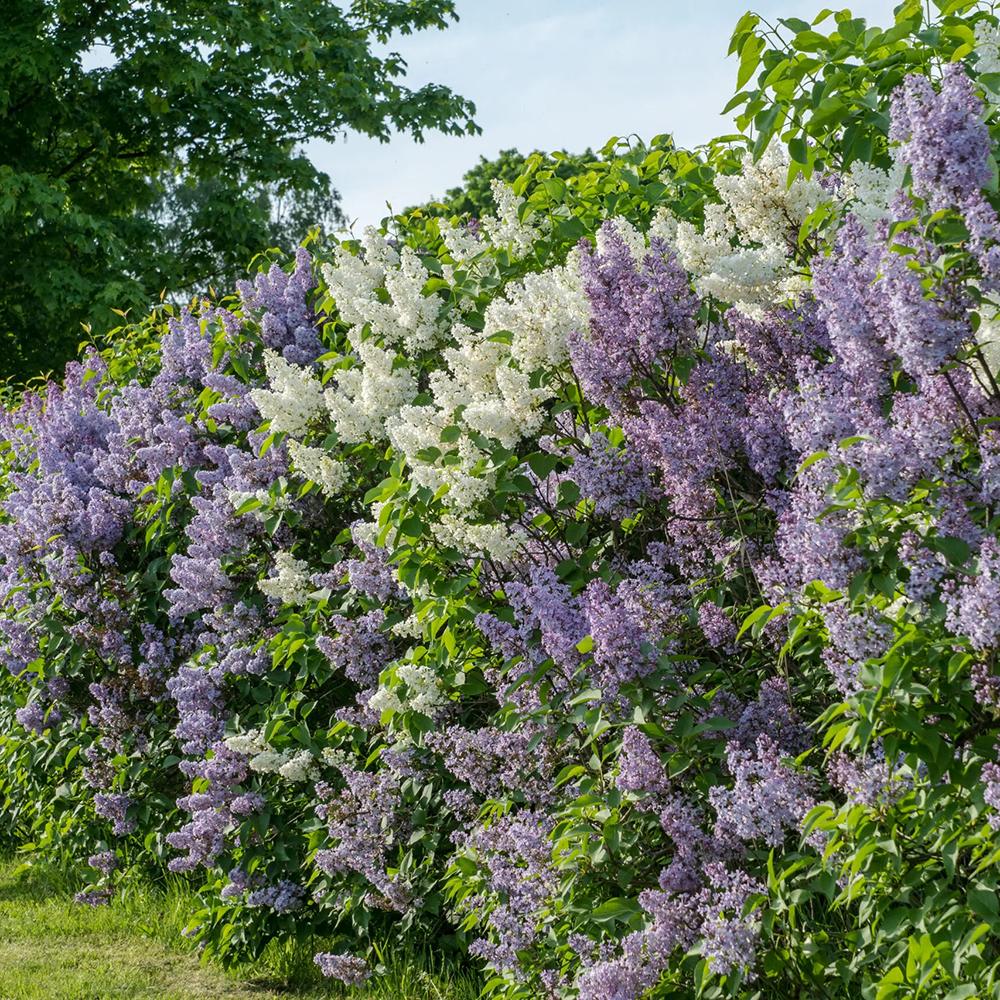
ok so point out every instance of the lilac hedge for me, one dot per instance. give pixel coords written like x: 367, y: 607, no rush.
x: 606, y: 591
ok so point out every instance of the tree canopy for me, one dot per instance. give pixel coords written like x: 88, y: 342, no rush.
x: 157, y: 146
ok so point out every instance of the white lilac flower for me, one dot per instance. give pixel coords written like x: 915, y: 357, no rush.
x: 290, y: 581
x: 987, y: 51
x: 294, y: 399
x: 764, y: 214
x: 409, y: 317
x: 867, y: 191
x: 507, y: 229
x: 250, y: 743
x: 423, y: 693
x: 365, y: 397
x: 540, y: 312
x: 497, y: 541
x: 316, y: 465
x: 267, y: 762
x: 297, y: 767
x: 462, y: 244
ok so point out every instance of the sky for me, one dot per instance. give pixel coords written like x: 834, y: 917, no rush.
x: 557, y: 74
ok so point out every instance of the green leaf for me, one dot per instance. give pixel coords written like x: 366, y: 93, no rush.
x: 616, y: 910
x: 766, y: 124
x: 798, y: 150
x: 749, y: 59
x: 963, y: 992
x: 755, y: 616
x: 955, y: 550
x: 570, y: 230
x: 542, y: 463
x: 744, y: 26
x: 983, y: 902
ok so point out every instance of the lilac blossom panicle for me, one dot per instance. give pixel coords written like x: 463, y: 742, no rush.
x: 870, y: 781
x: 615, y: 479
x: 114, y: 807
x: 730, y: 936
x: 93, y: 897
x: 991, y: 792
x: 361, y: 649
x: 641, y: 311
x: 640, y: 770
x: 363, y: 819
x: 282, y: 897
x: 517, y: 856
x: 347, y: 969
x: 974, y: 604
x: 373, y: 576
x: 35, y: 717
x: 985, y: 686
x: 496, y: 762
x: 767, y: 799
x: 288, y: 323
x: 945, y: 142
x: 631, y: 625
x: 106, y: 862
x: 717, y: 627
x: 942, y: 137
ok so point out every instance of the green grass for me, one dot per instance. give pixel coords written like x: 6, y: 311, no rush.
x: 54, y: 949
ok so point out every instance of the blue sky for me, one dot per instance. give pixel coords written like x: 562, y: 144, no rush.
x: 558, y: 74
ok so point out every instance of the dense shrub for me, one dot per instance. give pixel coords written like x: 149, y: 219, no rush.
x: 607, y: 591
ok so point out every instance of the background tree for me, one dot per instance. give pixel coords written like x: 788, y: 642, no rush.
x: 474, y: 197
x: 172, y: 164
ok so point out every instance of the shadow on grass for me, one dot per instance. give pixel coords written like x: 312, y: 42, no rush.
x: 25, y: 882
x: 54, y: 949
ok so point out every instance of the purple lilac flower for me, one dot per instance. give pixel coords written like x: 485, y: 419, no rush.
x: 281, y: 299
x: 974, y: 604
x: 991, y: 792
x: 640, y: 314
x: 34, y: 717
x: 282, y: 897
x: 496, y: 762
x: 238, y: 884
x: 115, y: 807
x: 869, y: 781
x: 943, y: 137
x: 348, y: 969
x: 729, y: 937
x: 361, y: 649
x: 767, y: 799
x: 106, y: 862
x: 615, y: 479
x: 716, y: 625
x: 517, y: 855
x: 631, y: 625
x: 363, y: 819
x: 640, y: 769
x: 93, y: 897
x: 374, y: 576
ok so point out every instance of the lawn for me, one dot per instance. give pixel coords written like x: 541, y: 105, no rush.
x: 54, y: 949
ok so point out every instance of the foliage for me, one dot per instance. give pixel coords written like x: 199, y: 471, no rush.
x: 607, y: 591
x: 144, y: 173
x: 474, y: 196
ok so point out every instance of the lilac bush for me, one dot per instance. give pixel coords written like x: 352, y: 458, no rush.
x: 607, y: 594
